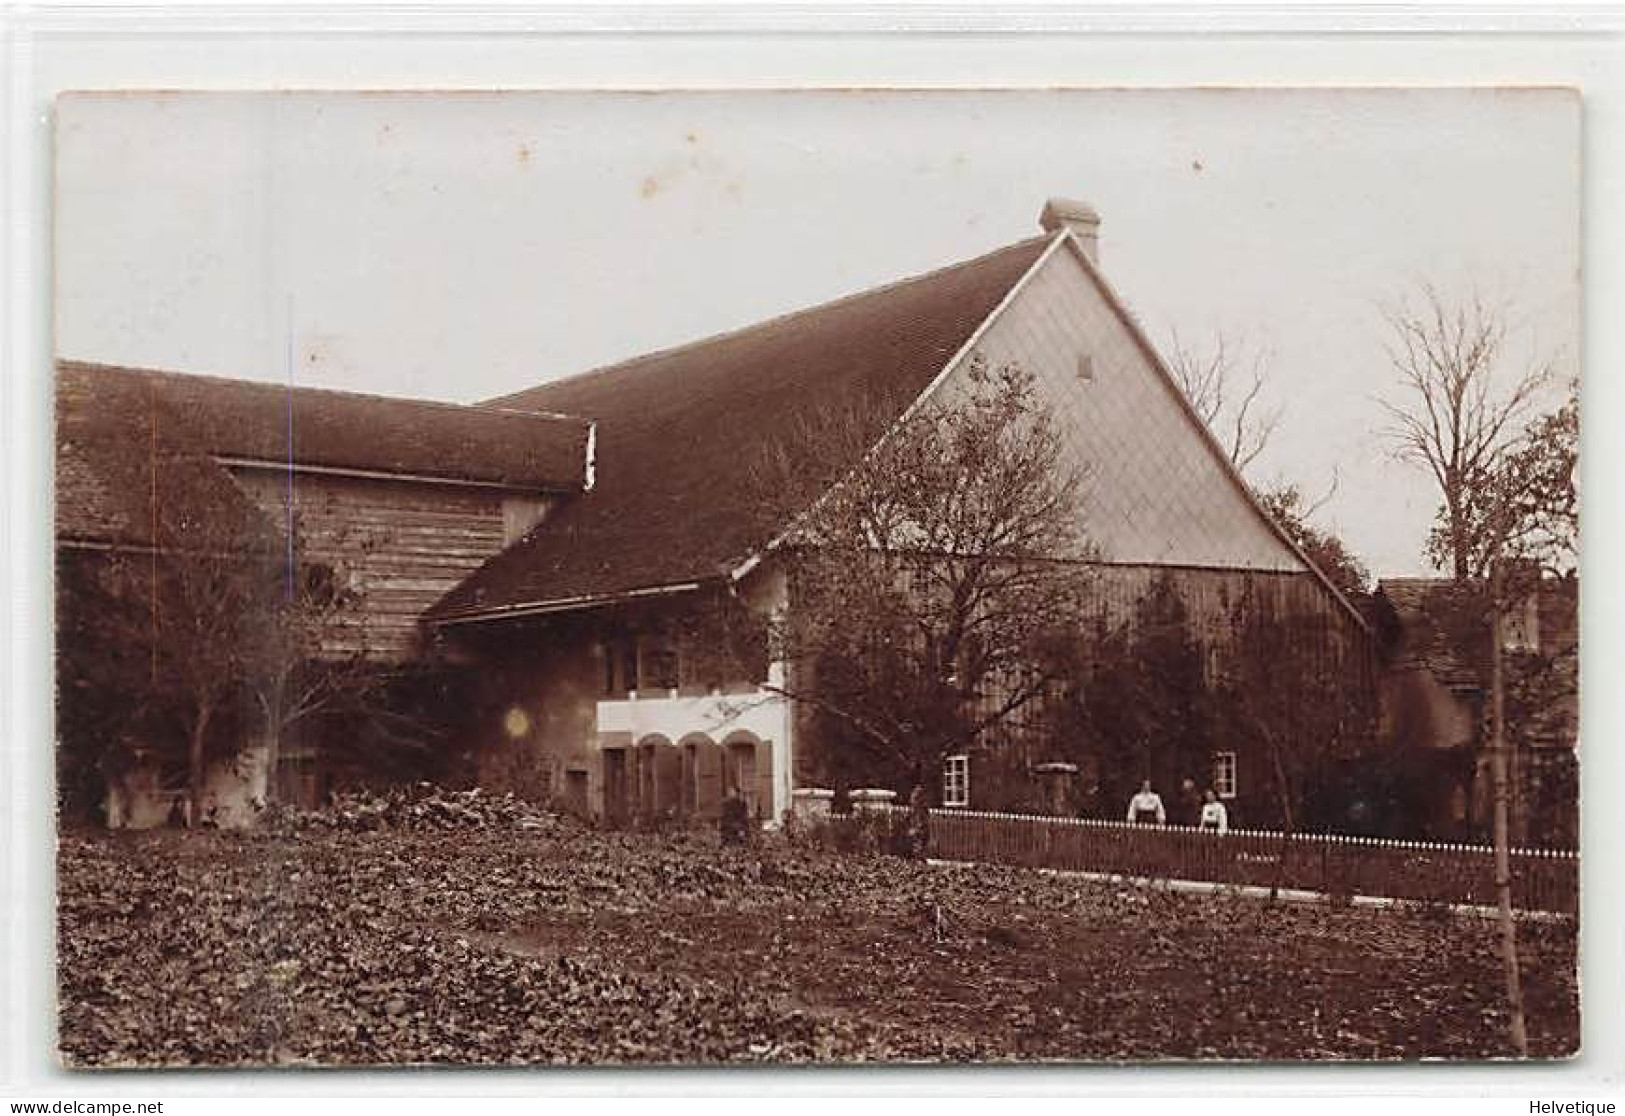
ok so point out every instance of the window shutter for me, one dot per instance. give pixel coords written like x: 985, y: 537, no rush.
x: 708, y: 792
x: 764, y: 780
x: 668, y: 779
x: 688, y: 778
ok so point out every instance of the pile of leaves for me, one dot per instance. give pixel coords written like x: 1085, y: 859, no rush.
x: 420, y: 806
x: 493, y: 941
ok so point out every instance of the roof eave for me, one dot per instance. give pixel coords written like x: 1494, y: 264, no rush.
x: 505, y: 484
x: 582, y: 603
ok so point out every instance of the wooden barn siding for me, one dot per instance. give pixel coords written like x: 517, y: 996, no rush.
x: 1319, y: 640
x: 1218, y: 600
x: 1321, y: 635
x: 400, y: 544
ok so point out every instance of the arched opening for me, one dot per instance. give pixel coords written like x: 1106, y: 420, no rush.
x: 687, y: 777
x: 748, y: 771
x: 701, y: 769
x: 657, y: 790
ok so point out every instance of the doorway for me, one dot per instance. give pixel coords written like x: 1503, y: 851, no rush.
x: 615, y: 788
x: 739, y: 774
x: 575, y: 792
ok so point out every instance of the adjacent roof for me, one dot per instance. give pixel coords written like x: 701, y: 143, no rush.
x: 126, y: 475
x: 670, y: 506
x: 345, y: 430
x: 1423, y: 608
x: 138, y: 450
x: 1412, y: 594
x: 1421, y: 640
x: 1422, y: 635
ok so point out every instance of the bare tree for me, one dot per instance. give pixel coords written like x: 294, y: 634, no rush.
x: 172, y: 631
x: 1461, y: 419
x: 309, y: 658
x: 1306, y: 715
x: 1225, y: 386
x: 1526, y: 509
x: 1530, y: 513
x: 1523, y: 517
x: 934, y: 576
x: 1459, y: 411
x: 219, y: 636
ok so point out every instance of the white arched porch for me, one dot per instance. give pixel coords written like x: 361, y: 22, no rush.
x: 681, y: 754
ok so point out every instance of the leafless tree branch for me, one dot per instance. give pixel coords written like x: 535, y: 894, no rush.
x: 1228, y: 399
x: 1458, y: 410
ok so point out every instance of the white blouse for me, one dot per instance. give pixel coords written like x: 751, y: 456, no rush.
x: 1215, y: 816
x: 1149, y: 802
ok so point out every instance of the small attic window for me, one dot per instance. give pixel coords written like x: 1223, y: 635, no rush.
x: 1086, y: 368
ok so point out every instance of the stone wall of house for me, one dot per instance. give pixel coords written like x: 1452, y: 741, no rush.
x: 1419, y: 711
x: 555, y: 695
x: 532, y: 720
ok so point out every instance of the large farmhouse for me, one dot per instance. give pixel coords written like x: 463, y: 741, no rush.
x: 554, y: 545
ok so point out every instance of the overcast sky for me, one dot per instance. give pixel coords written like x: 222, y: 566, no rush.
x: 458, y: 246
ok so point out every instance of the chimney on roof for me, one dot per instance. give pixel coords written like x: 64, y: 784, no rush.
x: 1079, y: 217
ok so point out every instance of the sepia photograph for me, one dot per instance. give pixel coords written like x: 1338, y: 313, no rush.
x: 803, y: 577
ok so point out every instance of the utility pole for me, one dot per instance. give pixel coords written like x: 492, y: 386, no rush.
x: 1502, y: 790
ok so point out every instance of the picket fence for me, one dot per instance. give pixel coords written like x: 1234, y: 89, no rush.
x: 1542, y: 879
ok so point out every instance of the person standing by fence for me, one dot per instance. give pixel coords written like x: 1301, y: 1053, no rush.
x: 1215, y: 818
x: 1190, y: 803
x: 733, y: 820
x: 1145, y: 808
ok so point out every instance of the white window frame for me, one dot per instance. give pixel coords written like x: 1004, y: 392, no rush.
x: 1224, y: 774
x: 956, y: 781
x: 1520, y: 626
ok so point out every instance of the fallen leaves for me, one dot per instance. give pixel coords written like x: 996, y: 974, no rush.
x: 428, y: 926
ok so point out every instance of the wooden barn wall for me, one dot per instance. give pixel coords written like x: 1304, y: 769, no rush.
x: 399, y: 544
x: 1315, y: 636
x: 1319, y: 638
x: 1219, y: 601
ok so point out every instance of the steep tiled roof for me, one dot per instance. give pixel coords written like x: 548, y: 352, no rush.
x: 1423, y: 607
x: 1421, y: 637
x: 344, y: 430
x: 677, y: 428
x: 1422, y: 640
x: 129, y: 473
x: 1410, y: 595
x: 137, y: 449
